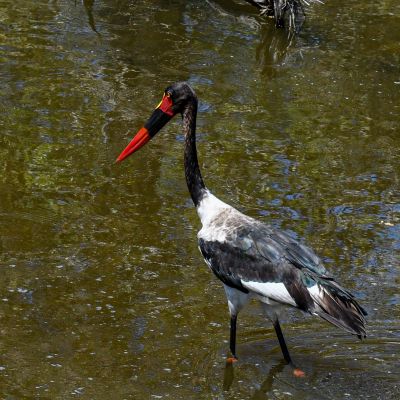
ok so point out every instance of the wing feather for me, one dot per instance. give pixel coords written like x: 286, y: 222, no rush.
x: 252, y: 256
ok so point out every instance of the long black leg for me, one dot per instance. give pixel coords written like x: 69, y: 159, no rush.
x: 281, y: 339
x: 232, y: 342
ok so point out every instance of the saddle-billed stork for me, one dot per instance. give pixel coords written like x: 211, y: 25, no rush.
x: 252, y: 259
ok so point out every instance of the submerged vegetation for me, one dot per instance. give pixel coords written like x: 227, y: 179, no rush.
x: 287, y: 13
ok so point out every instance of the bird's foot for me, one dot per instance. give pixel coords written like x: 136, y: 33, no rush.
x: 298, y: 373
x: 231, y: 360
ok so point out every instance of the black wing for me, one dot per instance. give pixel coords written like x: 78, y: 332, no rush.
x: 259, y: 253
x: 255, y: 252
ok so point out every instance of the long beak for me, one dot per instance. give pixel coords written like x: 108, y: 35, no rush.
x: 160, y: 117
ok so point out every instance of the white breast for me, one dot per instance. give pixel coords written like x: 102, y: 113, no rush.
x: 219, y: 219
x: 210, y: 207
x: 211, y: 211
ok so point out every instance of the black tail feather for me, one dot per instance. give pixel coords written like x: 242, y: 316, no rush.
x: 338, y: 306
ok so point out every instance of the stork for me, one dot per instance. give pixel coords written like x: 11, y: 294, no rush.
x: 251, y: 258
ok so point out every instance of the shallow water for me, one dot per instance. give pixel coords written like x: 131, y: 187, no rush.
x: 103, y: 291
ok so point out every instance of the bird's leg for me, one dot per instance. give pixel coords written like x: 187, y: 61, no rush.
x: 282, y: 342
x: 232, y: 342
x: 296, y: 371
x: 236, y: 301
x: 232, y: 339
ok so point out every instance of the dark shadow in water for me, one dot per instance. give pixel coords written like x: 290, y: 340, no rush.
x: 229, y: 376
x: 274, y: 45
x: 266, y: 386
x: 88, y: 4
x: 273, y: 48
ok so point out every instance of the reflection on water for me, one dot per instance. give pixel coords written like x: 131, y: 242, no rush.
x: 88, y: 4
x: 264, y: 388
x: 274, y: 49
x: 266, y: 385
x: 103, y: 291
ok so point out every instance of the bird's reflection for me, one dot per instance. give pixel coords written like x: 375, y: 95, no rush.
x: 274, y: 45
x: 88, y: 4
x: 273, y: 48
x: 228, y: 376
x: 266, y: 386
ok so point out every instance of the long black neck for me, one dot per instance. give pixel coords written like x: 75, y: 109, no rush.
x: 194, y: 180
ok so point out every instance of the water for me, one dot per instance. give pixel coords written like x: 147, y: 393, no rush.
x: 103, y: 291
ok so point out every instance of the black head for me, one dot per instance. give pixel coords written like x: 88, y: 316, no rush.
x: 175, y: 100
x: 181, y: 94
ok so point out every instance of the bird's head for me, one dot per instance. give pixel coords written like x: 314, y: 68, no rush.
x: 174, y: 101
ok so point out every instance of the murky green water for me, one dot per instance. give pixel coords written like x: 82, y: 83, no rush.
x: 103, y: 292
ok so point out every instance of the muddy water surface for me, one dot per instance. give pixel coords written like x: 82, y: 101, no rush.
x: 103, y: 291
